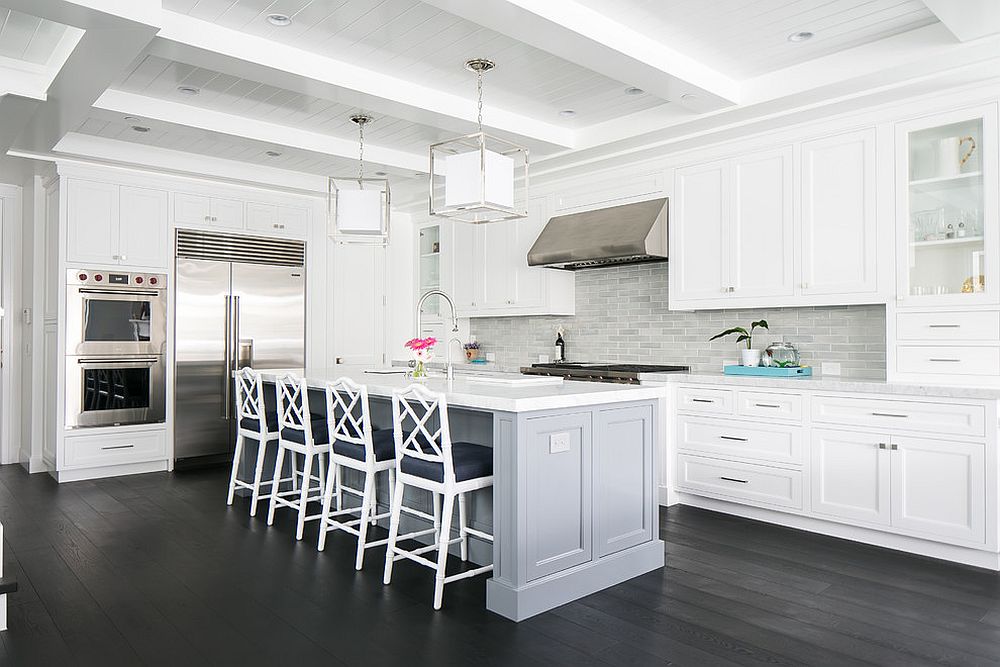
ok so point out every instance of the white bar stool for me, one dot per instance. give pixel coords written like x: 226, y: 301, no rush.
x: 255, y: 423
x: 431, y: 461
x: 299, y: 433
x: 354, y: 445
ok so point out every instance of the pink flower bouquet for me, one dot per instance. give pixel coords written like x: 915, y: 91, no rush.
x: 422, y: 350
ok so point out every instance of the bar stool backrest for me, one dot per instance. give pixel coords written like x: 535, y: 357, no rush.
x: 415, y: 410
x: 347, y: 414
x: 293, y: 406
x: 250, y: 396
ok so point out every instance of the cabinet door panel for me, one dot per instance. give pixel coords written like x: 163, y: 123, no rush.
x: 227, y: 213
x: 262, y: 217
x: 850, y: 475
x: 143, y: 227
x: 466, y: 268
x: 92, y: 222
x: 497, y: 240
x: 623, y: 468
x: 192, y: 210
x: 358, y: 306
x: 939, y: 488
x: 762, y: 224
x: 699, y: 251
x: 558, y: 493
x: 839, y: 237
x: 293, y: 221
x: 529, y: 282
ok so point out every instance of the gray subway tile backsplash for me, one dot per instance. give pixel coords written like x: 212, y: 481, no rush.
x: 622, y: 316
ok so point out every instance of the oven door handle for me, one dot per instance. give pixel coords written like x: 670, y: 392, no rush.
x: 122, y: 292
x: 118, y: 362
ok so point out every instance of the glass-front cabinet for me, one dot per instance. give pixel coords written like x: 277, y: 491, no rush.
x: 429, y: 273
x: 947, y: 208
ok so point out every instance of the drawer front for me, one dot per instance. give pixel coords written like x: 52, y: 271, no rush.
x: 928, y: 417
x: 949, y: 326
x: 768, y: 405
x: 728, y: 438
x: 88, y: 451
x: 740, y: 481
x: 709, y: 401
x: 948, y: 360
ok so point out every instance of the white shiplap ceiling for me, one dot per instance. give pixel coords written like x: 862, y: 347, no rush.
x: 161, y: 78
x: 28, y: 38
x: 420, y: 43
x: 749, y: 37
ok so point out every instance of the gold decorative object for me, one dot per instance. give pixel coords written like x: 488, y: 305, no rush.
x: 968, y: 287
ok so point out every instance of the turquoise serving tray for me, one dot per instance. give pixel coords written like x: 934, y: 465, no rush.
x: 769, y: 371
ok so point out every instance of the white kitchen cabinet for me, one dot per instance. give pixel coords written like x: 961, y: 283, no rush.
x: 277, y: 219
x: 732, y: 231
x: 839, y: 237
x: 142, y: 230
x: 359, y: 303
x: 699, y: 245
x: 486, y: 269
x: 850, y: 475
x: 112, y: 224
x: 92, y: 222
x: 939, y: 488
x: 201, y: 211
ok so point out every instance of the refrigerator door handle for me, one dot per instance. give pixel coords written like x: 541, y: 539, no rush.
x: 236, y: 333
x: 227, y: 380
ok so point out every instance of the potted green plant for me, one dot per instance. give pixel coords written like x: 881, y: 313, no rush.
x: 749, y: 356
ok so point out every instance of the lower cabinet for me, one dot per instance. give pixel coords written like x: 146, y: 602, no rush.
x: 850, y: 475
x: 623, y: 479
x: 92, y: 450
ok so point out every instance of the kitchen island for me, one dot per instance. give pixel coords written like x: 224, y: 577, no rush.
x: 573, y: 509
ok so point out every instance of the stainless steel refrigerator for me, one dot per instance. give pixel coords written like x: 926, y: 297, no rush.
x: 240, y: 302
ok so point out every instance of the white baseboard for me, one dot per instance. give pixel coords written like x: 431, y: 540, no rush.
x: 110, y: 471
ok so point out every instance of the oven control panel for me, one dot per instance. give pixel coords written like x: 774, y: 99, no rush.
x: 102, y: 278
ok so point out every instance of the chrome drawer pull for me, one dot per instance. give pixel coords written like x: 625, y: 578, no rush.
x: 881, y: 445
x: 733, y: 437
x: 888, y: 414
x: 944, y: 326
x: 947, y: 360
x: 703, y: 400
x: 766, y: 405
x: 118, y: 447
x: 894, y: 447
x: 733, y: 479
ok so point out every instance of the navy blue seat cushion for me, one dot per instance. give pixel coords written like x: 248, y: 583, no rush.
x: 254, y: 424
x: 470, y: 460
x: 382, y: 440
x: 320, y: 429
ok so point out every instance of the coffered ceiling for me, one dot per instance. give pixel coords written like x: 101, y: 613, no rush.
x: 575, y: 79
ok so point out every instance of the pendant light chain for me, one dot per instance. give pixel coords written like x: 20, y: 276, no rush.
x: 361, y: 151
x: 479, y: 93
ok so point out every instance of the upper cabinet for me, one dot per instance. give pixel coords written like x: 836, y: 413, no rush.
x: 732, y: 231
x: 838, y: 225
x: 115, y: 224
x: 946, y: 204
x: 190, y: 210
x: 790, y: 226
x: 486, y: 269
x: 201, y: 211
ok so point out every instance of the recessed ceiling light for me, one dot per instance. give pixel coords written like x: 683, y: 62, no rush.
x: 188, y: 90
x: 632, y: 90
x: 567, y: 113
x: 800, y: 36
x: 280, y: 20
x: 381, y: 173
x: 272, y: 153
x: 140, y: 128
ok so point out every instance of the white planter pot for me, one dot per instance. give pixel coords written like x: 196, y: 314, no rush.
x: 750, y: 357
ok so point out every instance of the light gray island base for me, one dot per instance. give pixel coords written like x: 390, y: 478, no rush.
x: 574, y: 505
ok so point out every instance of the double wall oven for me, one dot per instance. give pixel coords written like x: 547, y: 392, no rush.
x: 116, y: 338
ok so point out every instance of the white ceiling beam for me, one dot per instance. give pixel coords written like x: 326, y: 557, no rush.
x: 158, y: 109
x: 570, y: 30
x: 212, y: 46
x: 967, y: 19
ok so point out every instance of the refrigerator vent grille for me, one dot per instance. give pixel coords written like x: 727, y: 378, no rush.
x: 234, y: 248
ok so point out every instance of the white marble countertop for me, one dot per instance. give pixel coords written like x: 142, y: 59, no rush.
x: 461, y: 392
x: 820, y: 383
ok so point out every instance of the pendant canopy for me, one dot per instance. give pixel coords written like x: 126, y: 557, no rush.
x: 359, y: 206
x: 478, y: 178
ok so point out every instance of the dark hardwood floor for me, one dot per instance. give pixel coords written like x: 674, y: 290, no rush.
x: 156, y: 570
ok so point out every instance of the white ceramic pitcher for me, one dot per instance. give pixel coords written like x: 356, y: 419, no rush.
x: 951, y: 155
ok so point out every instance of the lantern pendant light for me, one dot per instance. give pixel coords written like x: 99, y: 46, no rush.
x: 478, y: 178
x: 359, y: 206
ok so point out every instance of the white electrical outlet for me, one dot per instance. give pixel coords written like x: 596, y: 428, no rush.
x: 543, y: 358
x: 558, y: 442
x: 491, y: 356
x: 830, y: 368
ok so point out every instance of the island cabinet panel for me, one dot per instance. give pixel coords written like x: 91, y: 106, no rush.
x: 558, y: 478
x: 623, y: 478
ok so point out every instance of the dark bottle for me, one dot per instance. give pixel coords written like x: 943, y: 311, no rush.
x: 560, y: 346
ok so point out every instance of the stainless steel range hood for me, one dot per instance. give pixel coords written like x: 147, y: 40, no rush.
x: 626, y: 234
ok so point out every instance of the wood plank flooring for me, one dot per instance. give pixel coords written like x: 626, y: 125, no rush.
x: 156, y: 570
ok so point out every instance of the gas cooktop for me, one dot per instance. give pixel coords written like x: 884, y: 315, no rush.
x: 597, y: 372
